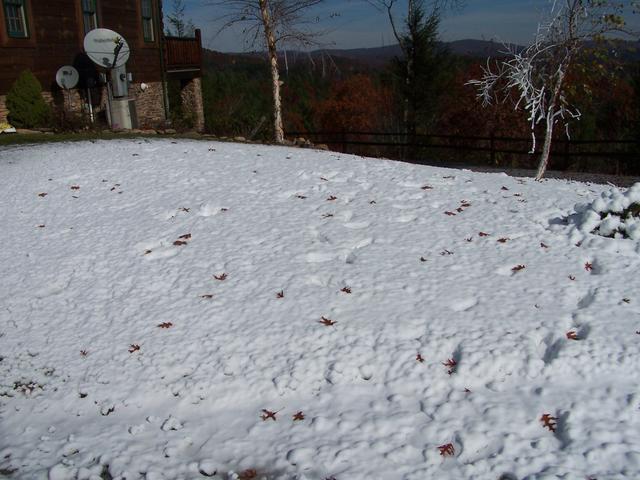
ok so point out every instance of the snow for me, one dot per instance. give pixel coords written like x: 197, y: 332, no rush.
x: 143, y: 334
x: 608, y: 215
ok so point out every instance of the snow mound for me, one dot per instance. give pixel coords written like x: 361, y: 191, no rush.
x: 615, y: 214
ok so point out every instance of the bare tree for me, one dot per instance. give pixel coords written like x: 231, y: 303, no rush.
x: 273, y: 22
x: 538, y: 74
x: 176, y: 23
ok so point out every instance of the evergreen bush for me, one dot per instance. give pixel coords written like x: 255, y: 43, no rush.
x: 27, y: 108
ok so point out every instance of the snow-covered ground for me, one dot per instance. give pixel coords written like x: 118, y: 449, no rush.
x: 172, y: 309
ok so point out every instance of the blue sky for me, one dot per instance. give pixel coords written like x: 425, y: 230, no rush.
x: 360, y: 25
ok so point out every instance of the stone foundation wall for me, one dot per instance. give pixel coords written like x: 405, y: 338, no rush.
x: 149, y: 104
x: 192, y: 102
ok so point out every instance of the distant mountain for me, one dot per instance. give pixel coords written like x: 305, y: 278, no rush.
x: 378, y: 57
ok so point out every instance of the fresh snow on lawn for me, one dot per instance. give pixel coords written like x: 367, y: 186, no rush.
x: 175, y: 309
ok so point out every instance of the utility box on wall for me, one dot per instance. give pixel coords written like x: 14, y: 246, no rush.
x: 121, y: 115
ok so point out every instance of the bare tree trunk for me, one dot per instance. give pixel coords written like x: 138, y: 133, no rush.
x: 551, y: 120
x: 546, y: 149
x: 275, y: 75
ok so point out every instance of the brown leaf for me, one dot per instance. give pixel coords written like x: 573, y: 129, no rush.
x: 324, y: 179
x: 134, y: 347
x: 280, y: 294
x: 301, y: 197
x: 482, y: 234
x: 84, y: 353
x: 41, y: 226
x: 184, y: 209
x: 267, y: 414
x: 186, y: 236
x: 327, y: 322
x: 572, y: 335
x: 517, y: 268
x: 419, y: 358
x: 220, y: 277
x: 43, y: 194
x: 626, y: 300
x: 224, y: 209
x: 427, y: 187
x: 147, y: 252
x: 75, y: 187
x: 447, y: 450
x: 179, y: 243
x: 542, y: 245
x: 372, y: 202
x: 504, y: 188
x: 298, y: 417
x: 588, y: 266
x: 446, y: 252
x: 206, y: 296
x: 249, y: 474
x: 572, y: 278
x: 422, y: 259
x: 451, y: 214
x: 165, y: 325
x: 332, y: 198
x: 549, y: 422
x: 345, y: 290
x: 503, y: 240
x: 327, y: 215
x: 451, y: 365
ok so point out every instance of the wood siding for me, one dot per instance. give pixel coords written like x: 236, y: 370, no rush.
x: 56, y: 35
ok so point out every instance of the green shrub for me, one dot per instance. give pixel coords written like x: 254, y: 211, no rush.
x: 27, y: 108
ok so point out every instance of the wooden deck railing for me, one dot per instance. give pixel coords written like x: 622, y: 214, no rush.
x: 183, y: 54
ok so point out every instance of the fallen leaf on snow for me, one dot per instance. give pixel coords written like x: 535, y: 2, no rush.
x: 327, y: 322
x: 549, y: 422
x: 267, y: 414
x: 447, y: 450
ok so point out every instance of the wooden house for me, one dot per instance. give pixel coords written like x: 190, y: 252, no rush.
x: 44, y: 35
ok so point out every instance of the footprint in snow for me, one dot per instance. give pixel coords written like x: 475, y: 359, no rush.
x: 463, y: 304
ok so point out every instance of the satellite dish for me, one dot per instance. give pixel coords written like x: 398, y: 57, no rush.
x: 106, y: 48
x: 67, y: 77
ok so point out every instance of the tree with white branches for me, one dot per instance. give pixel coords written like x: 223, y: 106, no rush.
x: 272, y: 23
x: 536, y: 77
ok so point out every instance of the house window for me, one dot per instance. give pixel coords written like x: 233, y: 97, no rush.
x: 16, y: 18
x: 147, y: 21
x: 89, y: 15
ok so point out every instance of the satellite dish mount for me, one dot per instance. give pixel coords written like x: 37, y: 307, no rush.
x: 110, y: 51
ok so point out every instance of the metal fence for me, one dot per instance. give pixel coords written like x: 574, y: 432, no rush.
x: 617, y: 157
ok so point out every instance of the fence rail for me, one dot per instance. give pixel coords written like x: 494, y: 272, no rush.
x: 581, y: 155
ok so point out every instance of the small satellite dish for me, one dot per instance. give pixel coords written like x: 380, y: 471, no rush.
x: 106, y: 48
x: 67, y: 77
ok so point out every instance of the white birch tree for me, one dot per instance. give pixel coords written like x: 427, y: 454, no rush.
x: 536, y: 77
x: 272, y: 23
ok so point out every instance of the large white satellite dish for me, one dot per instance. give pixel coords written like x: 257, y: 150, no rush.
x: 106, y: 48
x: 67, y: 77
